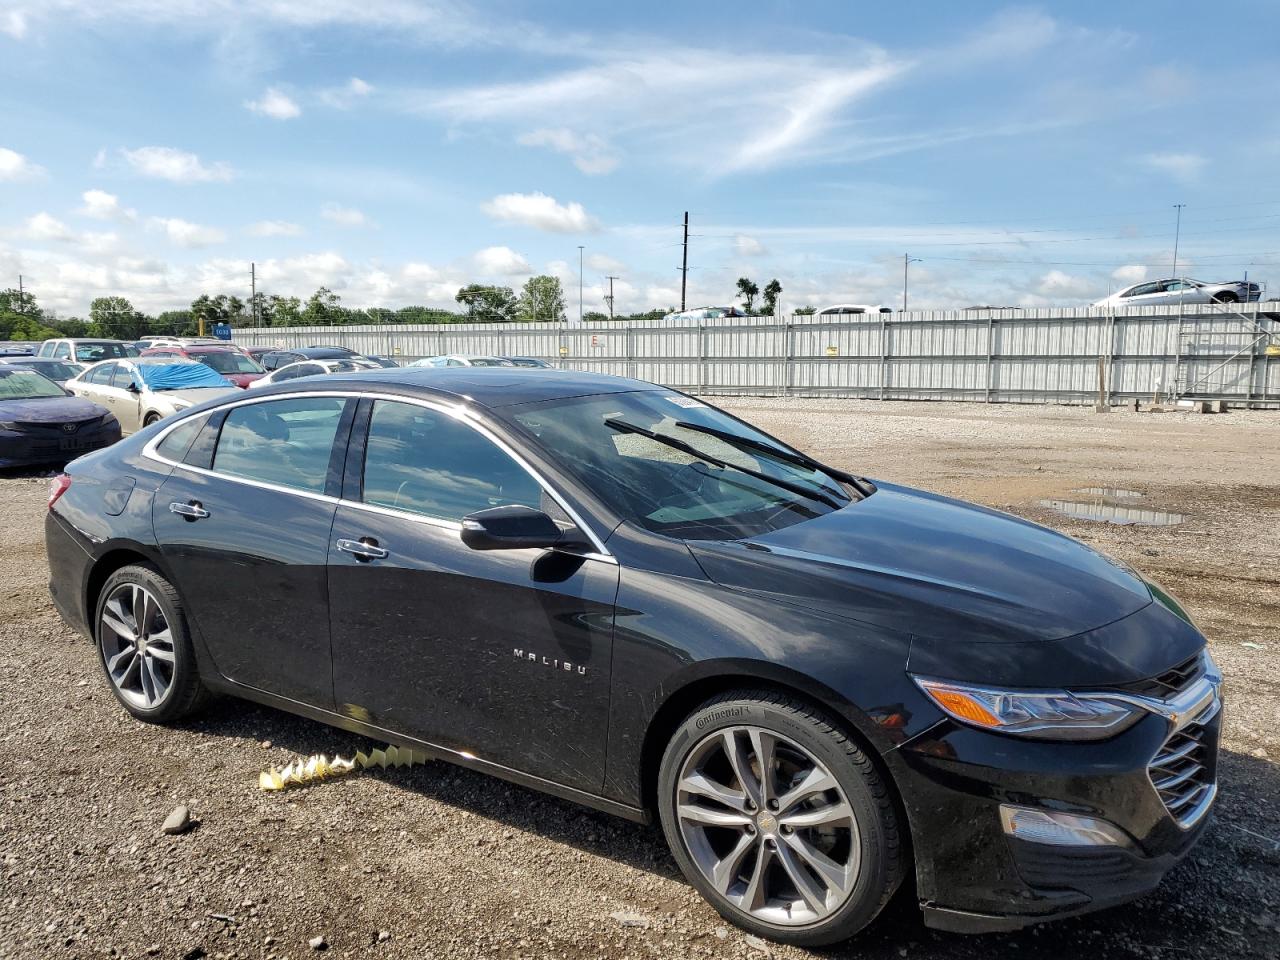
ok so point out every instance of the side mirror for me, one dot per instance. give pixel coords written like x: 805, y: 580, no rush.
x: 132, y: 387
x: 513, y: 528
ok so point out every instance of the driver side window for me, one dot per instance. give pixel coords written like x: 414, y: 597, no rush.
x: 424, y: 461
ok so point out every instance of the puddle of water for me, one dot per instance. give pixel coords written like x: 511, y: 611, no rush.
x: 1114, y: 513
x: 1115, y: 493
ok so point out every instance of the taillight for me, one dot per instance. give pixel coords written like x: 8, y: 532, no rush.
x: 57, y: 487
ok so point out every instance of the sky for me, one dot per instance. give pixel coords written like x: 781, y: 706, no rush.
x: 395, y: 150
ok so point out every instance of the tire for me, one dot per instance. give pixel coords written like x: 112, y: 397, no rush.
x: 849, y: 820
x: 1227, y: 297
x: 160, y: 681
x: 151, y: 418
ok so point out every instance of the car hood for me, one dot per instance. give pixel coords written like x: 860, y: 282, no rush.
x: 50, y: 410
x: 191, y: 397
x: 934, y: 567
x: 243, y: 379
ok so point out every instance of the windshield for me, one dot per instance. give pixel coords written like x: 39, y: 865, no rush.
x: 27, y: 385
x: 53, y: 369
x: 488, y: 362
x: 228, y: 362
x: 91, y: 352
x: 632, y: 450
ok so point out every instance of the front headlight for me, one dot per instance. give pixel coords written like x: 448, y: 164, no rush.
x: 1045, y: 714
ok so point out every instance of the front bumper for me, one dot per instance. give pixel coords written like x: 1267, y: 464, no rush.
x: 43, y: 445
x: 973, y: 877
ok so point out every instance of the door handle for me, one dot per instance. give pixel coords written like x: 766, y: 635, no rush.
x: 191, y: 511
x: 364, y: 549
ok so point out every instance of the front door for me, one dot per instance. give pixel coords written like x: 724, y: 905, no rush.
x: 503, y: 654
x: 246, y: 537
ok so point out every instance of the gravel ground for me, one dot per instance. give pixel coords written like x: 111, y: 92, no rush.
x: 435, y: 861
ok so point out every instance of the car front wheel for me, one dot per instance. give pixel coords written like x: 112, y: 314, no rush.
x: 780, y: 820
x: 144, y: 646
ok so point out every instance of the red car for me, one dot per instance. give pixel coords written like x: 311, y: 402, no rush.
x: 232, y: 362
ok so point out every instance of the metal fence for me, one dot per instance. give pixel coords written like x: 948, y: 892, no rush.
x: 998, y: 356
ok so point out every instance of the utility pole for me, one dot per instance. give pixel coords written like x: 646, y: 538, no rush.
x: 1177, y: 235
x: 21, y: 299
x: 253, y: 292
x: 684, y: 262
x: 609, y: 298
x: 579, y: 284
x: 907, y: 260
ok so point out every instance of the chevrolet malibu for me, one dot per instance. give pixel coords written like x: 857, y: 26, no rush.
x: 820, y: 685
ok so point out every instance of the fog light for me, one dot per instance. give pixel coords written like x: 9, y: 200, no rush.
x: 1059, y: 829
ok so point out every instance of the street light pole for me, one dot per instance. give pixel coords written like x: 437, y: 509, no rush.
x: 1177, y: 235
x: 907, y: 259
x: 579, y: 284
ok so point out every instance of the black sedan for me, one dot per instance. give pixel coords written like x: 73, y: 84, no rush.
x: 819, y: 684
x: 59, y: 371
x: 41, y: 423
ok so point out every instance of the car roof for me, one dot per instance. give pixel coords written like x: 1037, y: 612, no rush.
x: 485, y: 386
x: 318, y: 353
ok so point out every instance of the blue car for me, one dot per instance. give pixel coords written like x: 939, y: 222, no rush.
x: 41, y: 423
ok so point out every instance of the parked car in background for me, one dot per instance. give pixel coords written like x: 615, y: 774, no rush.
x: 18, y: 348
x: 232, y: 362
x: 702, y: 313
x: 86, y: 350
x: 282, y: 357
x: 41, y: 423
x: 386, y: 363
x: 1153, y: 293
x: 59, y: 371
x: 147, y: 389
x: 258, y: 352
x: 823, y: 687
x: 314, y: 368
x: 852, y: 309
x: 530, y: 362
x: 462, y: 360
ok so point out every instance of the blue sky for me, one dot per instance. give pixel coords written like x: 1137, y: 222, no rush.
x: 396, y: 150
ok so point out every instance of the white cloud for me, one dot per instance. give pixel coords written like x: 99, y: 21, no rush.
x: 188, y: 235
x: 100, y: 205
x: 603, y: 263
x: 501, y: 261
x: 44, y: 226
x: 346, y: 96
x: 13, y: 23
x: 275, y: 228
x: 276, y: 104
x: 540, y: 211
x: 1130, y: 273
x: 591, y: 153
x: 744, y: 246
x: 1183, y: 167
x: 345, y: 216
x: 14, y: 167
x: 178, y: 166
x: 1058, y: 284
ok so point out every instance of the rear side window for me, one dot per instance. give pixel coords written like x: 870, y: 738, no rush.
x: 122, y: 377
x: 100, y: 374
x: 424, y: 461
x: 284, y: 442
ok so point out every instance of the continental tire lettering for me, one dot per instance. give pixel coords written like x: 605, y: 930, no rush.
x: 725, y: 713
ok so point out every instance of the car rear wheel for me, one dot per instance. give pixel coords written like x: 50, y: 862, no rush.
x: 779, y: 819
x: 145, y: 648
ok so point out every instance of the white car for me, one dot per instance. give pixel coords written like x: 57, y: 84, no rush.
x: 702, y: 313
x: 852, y: 309
x: 314, y: 368
x: 142, y: 390
x: 462, y: 360
x: 1154, y: 293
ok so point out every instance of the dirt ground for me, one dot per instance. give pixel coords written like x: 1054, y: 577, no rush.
x: 438, y: 862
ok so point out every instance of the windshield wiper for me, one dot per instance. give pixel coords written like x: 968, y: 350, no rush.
x: 677, y: 444
x: 768, y: 449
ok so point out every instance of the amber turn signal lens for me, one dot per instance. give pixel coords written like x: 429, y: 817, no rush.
x: 964, y: 706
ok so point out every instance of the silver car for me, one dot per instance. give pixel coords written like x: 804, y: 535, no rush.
x: 146, y: 389
x: 1153, y: 293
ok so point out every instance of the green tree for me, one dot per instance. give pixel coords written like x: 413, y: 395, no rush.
x: 115, y: 317
x: 542, y: 299
x: 748, y: 290
x: 805, y: 311
x: 595, y: 317
x: 488, y: 304
x: 323, y: 307
x: 772, y: 290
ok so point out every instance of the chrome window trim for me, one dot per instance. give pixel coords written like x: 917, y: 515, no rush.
x: 457, y: 411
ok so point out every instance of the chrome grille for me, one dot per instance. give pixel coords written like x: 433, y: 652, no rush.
x: 1183, y: 771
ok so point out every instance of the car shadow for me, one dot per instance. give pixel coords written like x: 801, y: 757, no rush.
x: 1214, y: 898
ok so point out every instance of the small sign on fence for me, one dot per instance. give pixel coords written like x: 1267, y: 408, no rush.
x: 564, y: 351
x: 597, y: 340
x: 833, y: 351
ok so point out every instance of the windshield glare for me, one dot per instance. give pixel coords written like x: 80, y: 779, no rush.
x: 229, y: 362
x: 670, y: 491
x: 93, y: 352
x: 27, y: 385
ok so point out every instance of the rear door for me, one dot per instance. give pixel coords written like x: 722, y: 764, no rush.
x: 504, y: 654
x: 244, y: 525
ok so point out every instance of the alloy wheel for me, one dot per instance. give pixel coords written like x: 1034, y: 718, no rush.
x: 137, y: 645
x: 768, y: 826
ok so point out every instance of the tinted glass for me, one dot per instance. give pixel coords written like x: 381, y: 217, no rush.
x: 121, y: 377
x: 228, y: 362
x: 699, y: 493
x: 90, y: 351
x: 178, y: 441
x: 101, y: 373
x: 19, y: 384
x: 53, y: 369
x: 427, y: 462
x: 285, y: 442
